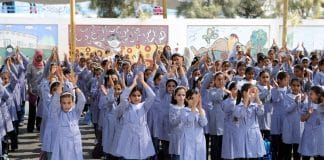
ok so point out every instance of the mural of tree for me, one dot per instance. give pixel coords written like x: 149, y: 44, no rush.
x: 258, y: 40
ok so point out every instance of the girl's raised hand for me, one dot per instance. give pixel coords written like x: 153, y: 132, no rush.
x: 275, y: 83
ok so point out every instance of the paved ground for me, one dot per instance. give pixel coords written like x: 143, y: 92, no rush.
x: 29, y: 146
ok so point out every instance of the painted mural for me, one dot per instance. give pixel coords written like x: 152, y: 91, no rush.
x: 28, y: 37
x: 311, y: 36
x: 127, y: 39
x: 218, y: 41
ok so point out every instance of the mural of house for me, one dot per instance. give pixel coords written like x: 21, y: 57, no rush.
x: 23, y: 40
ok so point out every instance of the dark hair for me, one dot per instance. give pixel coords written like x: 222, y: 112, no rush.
x: 319, y: 91
x: 263, y: 72
x: 109, y: 72
x: 195, y: 83
x: 244, y: 88
x: 191, y: 92
x: 229, y: 85
x: 299, y: 66
x: 249, y: 69
x: 171, y: 80
x: 282, y: 75
x: 240, y: 63
x: 218, y: 74
x: 135, y: 89
x: 225, y: 62
x: 104, y: 63
x: 296, y: 80
x: 66, y: 71
x: 173, y: 100
x: 157, y: 75
x: 54, y: 86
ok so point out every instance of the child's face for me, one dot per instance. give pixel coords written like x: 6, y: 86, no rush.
x: 136, y: 97
x: 241, y: 70
x: 126, y: 68
x: 180, y: 96
x: 321, y: 68
x: 234, y: 91
x: 298, y: 72
x: 5, y: 79
x: 196, y: 73
x: 219, y: 81
x: 226, y: 66
x: 249, y: 76
x: 118, y: 89
x: 157, y: 81
x: 53, y: 68
x: 193, y: 100
x: 313, y: 96
x: 295, y: 87
x: 305, y: 63
x: 170, y: 87
x: 66, y: 103
x: 265, y: 78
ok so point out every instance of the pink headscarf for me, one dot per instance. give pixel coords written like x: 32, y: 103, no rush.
x: 38, y: 65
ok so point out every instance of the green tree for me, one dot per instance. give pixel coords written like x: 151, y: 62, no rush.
x: 228, y: 7
x: 304, y: 8
x: 198, y: 9
x: 250, y: 8
x: 107, y: 9
x: 119, y: 8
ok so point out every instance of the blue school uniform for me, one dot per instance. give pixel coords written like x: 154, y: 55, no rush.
x: 5, y: 118
x: 278, y: 104
x: 216, y: 114
x: 192, y: 143
x: 253, y: 141
x: 318, y: 78
x: 44, y: 101
x: 176, y: 131
x: 292, y: 126
x: 135, y: 140
x: 110, y: 119
x: 68, y: 144
x: 12, y: 101
x: 265, y: 97
x: 312, y: 138
x: 232, y: 145
x: 94, y: 100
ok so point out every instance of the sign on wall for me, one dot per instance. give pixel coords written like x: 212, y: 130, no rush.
x: 128, y: 39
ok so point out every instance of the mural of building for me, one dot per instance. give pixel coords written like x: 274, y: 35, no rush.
x: 22, y: 40
x: 28, y: 37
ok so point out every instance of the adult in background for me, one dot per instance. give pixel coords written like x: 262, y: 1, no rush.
x: 34, y: 76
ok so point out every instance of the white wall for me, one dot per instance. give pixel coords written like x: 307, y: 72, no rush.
x: 177, y: 27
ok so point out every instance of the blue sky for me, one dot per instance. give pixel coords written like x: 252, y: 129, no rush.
x: 47, y: 34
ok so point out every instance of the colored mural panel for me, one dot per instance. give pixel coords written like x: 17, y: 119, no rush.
x: 28, y: 37
x: 128, y: 39
x: 220, y: 40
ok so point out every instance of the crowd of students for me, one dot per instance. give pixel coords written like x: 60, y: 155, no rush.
x: 211, y: 109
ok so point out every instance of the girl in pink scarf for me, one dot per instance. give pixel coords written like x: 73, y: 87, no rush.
x: 38, y: 59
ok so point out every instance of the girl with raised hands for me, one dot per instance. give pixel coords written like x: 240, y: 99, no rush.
x: 66, y: 114
x: 249, y: 107
x: 109, y: 99
x: 134, y: 139
x: 178, y: 102
x: 292, y: 126
x: 265, y: 87
x: 312, y: 141
x: 193, y: 118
